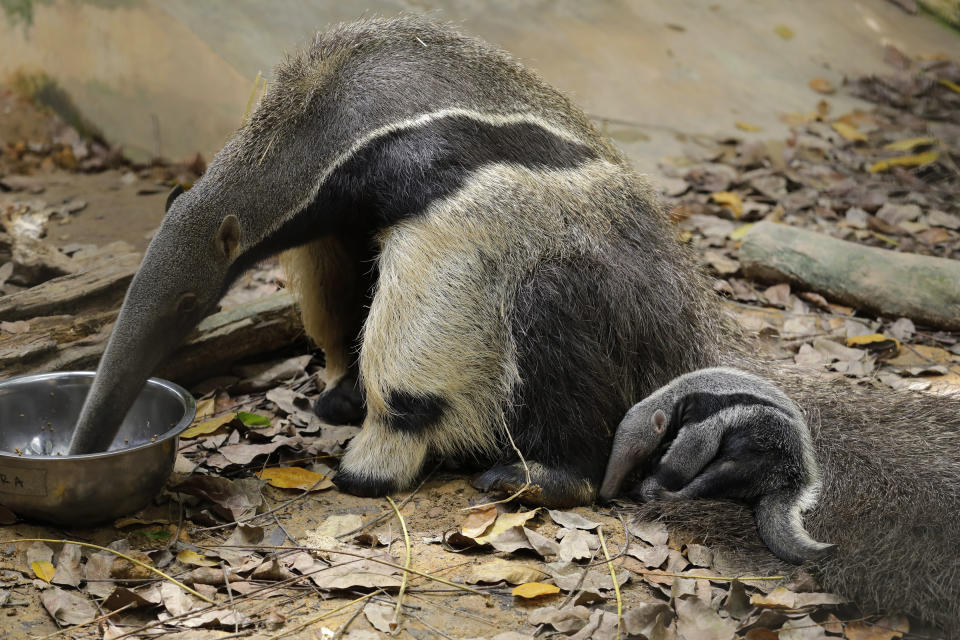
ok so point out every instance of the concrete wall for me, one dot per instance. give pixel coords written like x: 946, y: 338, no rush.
x: 672, y: 68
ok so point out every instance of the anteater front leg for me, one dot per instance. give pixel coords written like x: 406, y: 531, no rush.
x: 331, y: 277
x: 431, y: 361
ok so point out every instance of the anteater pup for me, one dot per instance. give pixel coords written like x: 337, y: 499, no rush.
x: 724, y: 433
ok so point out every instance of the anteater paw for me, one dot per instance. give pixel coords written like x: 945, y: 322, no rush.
x: 548, y: 487
x: 363, y: 486
x: 341, y: 404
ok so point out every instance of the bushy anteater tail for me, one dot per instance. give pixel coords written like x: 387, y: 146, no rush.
x: 781, y: 528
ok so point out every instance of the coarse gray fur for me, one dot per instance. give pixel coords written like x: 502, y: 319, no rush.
x: 889, y: 497
x: 541, y: 291
x: 723, y: 433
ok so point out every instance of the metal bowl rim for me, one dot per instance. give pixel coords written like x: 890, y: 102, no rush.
x: 189, y: 411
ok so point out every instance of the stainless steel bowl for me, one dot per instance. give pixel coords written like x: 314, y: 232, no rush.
x: 39, y: 480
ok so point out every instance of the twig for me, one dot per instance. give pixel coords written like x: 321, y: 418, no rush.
x: 527, y: 483
x: 269, y: 144
x: 613, y: 576
x: 285, y: 532
x: 403, y: 582
x: 626, y: 544
x: 461, y: 587
x: 117, y: 553
x: 322, y: 616
x: 253, y: 92
x: 226, y: 583
x: 176, y: 536
x: 665, y: 574
x: 346, y: 624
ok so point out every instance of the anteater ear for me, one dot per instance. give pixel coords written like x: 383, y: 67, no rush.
x: 177, y: 190
x: 659, y: 419
x: 228, y: 237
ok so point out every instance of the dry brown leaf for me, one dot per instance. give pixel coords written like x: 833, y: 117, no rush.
x: 43, y: 570
x: 815, y: 599
x: 506, y: 521
x: 498, y: 570
x: 97, y: 571
x: 648, y: 620
x: 380, y: 616
x: 847, y: 132
x: 779, y: 598
x: 295, y: 478
x: 697, y: 621
x: 479, y: 520
x: 783, y: 31
x: 243, y: 453
x: 909, y: 144
x: 570, y: 520
x: 730, y: 200
x: 208, y: 426
x: 822, y: 85
x: 122, y: 597
x: 195, y: 559
x: 654, y: 533
x: 541, y: 543
x: 778, y: 295
x: 913, y: 160
x: 699, y: 555
x: 804, y: 628
x: 652, y: 557
x: 886, y: 628
x: 67, y: 608
x: 576, y: 544
x: 563, y: 620
x: 511, y: 540
x: 232, y: 498
x: 721, y: 263
x: 535, y: 590
x: 920, y: 355
x: 68, y: 566
x: 205, y: 409
x: 359, y: 573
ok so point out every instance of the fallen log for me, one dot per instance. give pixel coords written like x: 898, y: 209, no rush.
x: 98, y: 286
x: 922, y: 288
x: 62, y: 342
x: 268, y: 324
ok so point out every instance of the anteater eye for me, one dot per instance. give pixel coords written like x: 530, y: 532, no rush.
x: 187, y: 303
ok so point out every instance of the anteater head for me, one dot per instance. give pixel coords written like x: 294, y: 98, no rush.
x: 180, y: 280
x: 638, y: 436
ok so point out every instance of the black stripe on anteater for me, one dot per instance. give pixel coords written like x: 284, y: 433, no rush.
x: 697, y: 406
x: 413, y: 413
x: 399, y: 174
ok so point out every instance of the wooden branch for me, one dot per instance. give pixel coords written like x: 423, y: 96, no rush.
x: 922, y: 288
x: 99, y: 287
x: 64, y: 342
x: 267, y: 324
